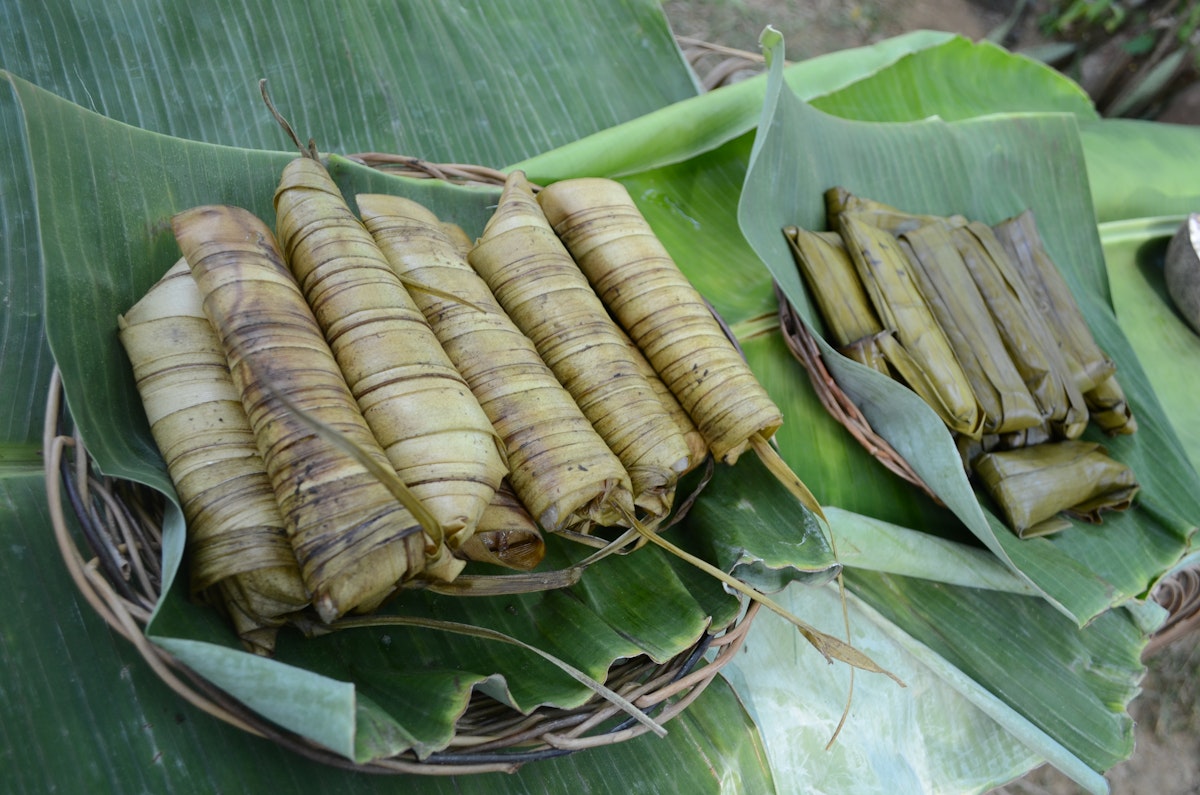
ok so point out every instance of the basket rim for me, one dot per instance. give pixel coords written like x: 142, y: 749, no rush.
x: 124, y: 595
x: 803, y: 346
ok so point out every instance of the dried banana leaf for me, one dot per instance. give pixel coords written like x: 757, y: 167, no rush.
x: 642, y: 286
x: 1030, y: 343
x: 1109, y: 408
x: 417, y: 405
x: 239, y: 555
x: 567, y: 478
x: 960, y: 310
x: 1053, y: 298
x: 532, y: 275
x: 833, y: 281
x: 355, y: 543
x: 838, y: 200
x: 887, y: 277
x: 506, y: 534
x: 1032, y: 485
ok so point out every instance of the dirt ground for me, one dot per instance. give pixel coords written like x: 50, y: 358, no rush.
x: 1166, y: 759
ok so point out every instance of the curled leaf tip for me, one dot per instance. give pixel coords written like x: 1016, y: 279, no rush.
x: 770, y: 40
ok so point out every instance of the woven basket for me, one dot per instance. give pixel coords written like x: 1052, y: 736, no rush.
x: 1179, y: 592
x: 110, y: 539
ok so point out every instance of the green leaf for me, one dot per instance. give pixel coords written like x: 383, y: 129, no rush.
x: 1166, y: 345
x: 1140, y: 169
x: 947, y: 730
x: 104, y: 243
x: 987, y: 169
x: 473, y: 89
x: 704, y: 122
x: 89, y: 715
x: 1071, y: 683
x: 24, y: 358
x: 954, y: 81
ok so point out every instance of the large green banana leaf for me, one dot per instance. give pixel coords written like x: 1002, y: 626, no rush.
x: 99, y: 257
x: 800, y: 152
x: 688, y: 187
x: 988, y: 169
x: 50, y: 158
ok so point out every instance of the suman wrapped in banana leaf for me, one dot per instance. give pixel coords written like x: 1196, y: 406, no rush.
x: 941, y: 304
x: 1032, y: 485
x: 887, y: 276
x: 1052, y: 296
x: 833, y: 281
x: 237, y: 543
x: 1030, y: 342
x: 943, y: 279
x: 1109, y: 408
x: 1092, y: 369
x: 891, y: 219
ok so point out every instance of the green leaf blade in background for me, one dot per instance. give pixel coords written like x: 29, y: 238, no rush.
x: 475, y: 90
x: 24, y: 358
x: 945, y: 81
x: 707, y: 121
x: 1140, y: 169
x: 1134, y: 251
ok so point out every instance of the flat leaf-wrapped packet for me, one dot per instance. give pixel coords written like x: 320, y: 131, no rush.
x: 1033, y: 484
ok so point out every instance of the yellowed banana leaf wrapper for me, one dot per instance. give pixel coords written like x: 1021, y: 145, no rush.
x: 356, y: 544
x: 952, y: 297
x: 506, y: 535
x: 1032, y: 485
x: 561, y: 469
x: 641, y: 285
x: 1109, y: 408
x: 1030, y: 342
x: 852, y: 324
x: 1093, y: 370
x: 1020, y: 238
x: 883, y: 216
x: 429, y: 424
x: 541, y: 288
x: 238, y: 551
x: 694, y: 441
x: 887, y: 276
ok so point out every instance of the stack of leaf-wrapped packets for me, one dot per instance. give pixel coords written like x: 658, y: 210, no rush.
x: 978, y: 321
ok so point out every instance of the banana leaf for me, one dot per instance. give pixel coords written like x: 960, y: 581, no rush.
x: 986, y: 168
x: 1140, y: 169
x: 913, y: 626
x: 709, y: 168
x: 84, y: 713
x: 1167, y: 347
x: 119, y: 249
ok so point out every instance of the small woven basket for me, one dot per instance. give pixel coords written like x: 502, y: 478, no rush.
x: 109, y: 533
x: 1179, y: 592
